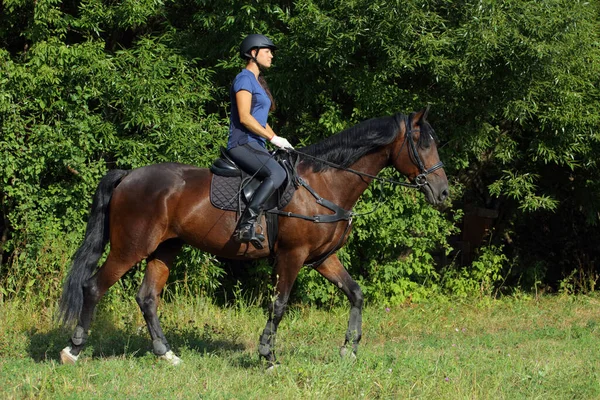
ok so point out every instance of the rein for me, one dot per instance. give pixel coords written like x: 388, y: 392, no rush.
x: 420, y: 180
x: 342, y: 214
x: 362, y: 174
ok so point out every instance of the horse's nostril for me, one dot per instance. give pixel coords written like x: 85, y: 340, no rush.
x: 444, y: 194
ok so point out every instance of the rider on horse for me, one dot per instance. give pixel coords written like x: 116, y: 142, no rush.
x: 251, y: 101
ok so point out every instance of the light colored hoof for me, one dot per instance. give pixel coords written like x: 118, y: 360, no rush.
x: 347, y: 353
x: 66, y: 357
x: 171, y: 358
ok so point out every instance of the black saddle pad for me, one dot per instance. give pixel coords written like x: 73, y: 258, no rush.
x: 226, y: 193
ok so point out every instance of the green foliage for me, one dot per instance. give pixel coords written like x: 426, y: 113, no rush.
x: 86, y: 86
x: 69, y: 111
x: 481, y: 278
x: 392, y: 249
x: 203, y: 279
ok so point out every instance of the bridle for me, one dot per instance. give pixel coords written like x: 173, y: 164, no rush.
x: 342, y: 214
x: 419, y: 181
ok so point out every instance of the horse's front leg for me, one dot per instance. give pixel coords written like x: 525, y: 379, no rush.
x: 334, y: 271
x: 286, y: 269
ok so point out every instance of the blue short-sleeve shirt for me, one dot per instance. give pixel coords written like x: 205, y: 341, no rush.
x: 238, y: 133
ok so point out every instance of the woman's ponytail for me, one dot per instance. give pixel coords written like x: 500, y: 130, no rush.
x: 265, y: 86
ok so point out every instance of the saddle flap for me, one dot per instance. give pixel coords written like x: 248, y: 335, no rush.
x: 232, y: 193
x: 249, y: 186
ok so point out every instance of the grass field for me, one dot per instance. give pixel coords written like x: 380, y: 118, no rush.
x: 510, y: 349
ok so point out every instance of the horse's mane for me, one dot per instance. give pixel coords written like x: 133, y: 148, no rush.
x: 347, y: 146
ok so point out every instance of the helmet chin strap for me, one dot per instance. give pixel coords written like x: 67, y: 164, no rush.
x: 253, y: 58
x: 261, y: 67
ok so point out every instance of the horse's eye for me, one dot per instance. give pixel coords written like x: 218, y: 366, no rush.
x: 426, y: 144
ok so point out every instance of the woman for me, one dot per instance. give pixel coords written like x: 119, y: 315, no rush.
x: 251, y: 102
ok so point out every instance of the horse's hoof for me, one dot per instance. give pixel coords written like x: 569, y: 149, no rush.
x: 347, y: 353
x: 66, y: 357
x: 171, y: 358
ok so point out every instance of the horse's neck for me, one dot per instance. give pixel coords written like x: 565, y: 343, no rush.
x: 344, y: 187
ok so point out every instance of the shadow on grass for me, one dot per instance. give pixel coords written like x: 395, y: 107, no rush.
x: 106, y: 340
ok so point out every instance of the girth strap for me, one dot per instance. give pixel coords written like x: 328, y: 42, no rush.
x: 340, y: 213
x: 315, y: 264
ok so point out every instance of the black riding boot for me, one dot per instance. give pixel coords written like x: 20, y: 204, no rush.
x: 246, y: 229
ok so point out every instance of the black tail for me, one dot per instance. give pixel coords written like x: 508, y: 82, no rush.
x: 85, y: 260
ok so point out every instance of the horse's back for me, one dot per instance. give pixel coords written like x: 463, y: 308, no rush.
x: 152, y: 197
x: 160, y: 178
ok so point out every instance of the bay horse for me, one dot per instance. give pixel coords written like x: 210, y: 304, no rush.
x: 151, y: 212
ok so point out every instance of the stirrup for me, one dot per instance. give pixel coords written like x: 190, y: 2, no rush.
x: 247, y: 234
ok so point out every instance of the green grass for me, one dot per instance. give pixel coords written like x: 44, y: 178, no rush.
x: 509, y: 349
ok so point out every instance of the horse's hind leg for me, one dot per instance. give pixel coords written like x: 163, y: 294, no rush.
x: 147, y: 298
x: 93, y: 290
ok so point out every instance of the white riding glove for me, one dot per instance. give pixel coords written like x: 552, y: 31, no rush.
x: 280, y: 142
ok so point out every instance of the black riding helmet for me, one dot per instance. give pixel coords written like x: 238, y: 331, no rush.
x: 255, y: 41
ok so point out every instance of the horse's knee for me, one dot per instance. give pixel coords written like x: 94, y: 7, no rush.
x: 139, y: 300
x: 142, y: 298
x: 147, y: 303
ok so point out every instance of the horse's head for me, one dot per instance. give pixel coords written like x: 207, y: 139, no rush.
x: 415, y: 155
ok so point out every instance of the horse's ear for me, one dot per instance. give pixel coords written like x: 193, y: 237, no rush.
x: 420, y: 116
x: 426, y: 112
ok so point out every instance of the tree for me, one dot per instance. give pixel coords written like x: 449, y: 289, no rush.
x: 514, y: 88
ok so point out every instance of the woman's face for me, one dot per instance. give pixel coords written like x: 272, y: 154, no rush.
x: 264, y: 57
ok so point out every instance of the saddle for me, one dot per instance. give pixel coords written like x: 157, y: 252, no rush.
x: 232, y: 188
